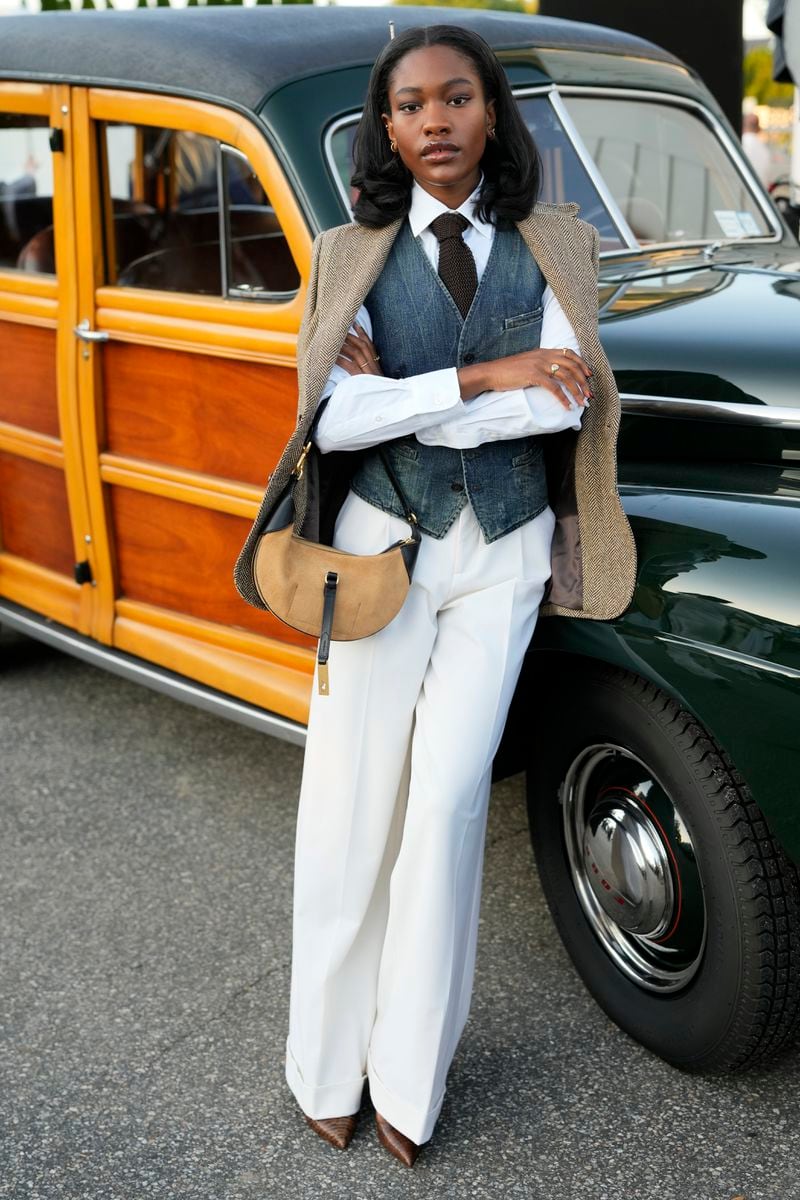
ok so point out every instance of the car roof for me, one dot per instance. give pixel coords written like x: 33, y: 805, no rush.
x: 240, y: 55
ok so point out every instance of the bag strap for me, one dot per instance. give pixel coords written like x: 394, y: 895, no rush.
x: 410, y: 516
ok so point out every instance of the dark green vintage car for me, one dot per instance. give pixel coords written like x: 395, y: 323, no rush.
x: 162, y: 175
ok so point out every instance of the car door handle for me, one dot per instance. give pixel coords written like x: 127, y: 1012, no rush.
x: 87, y: 334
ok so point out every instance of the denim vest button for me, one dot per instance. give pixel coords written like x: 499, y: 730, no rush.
x: 468, y: 358
x: 457, y: 486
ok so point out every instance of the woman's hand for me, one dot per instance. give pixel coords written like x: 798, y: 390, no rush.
x: 358, y: 355
x: 533, y: 368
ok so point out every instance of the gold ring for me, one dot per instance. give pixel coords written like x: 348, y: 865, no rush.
x: 554, y: 367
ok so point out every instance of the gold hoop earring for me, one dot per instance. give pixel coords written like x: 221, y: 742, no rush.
x: 393, y: 145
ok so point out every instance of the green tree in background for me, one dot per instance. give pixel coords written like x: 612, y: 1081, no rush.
x: 758, y: 81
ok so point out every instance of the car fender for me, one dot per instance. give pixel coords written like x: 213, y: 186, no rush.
x: 714, y: 623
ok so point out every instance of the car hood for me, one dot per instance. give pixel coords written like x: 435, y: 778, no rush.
x: 725, y: 327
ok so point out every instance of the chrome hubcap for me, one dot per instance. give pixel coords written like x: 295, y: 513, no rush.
x: 628, y: 869
x: 634, y: 867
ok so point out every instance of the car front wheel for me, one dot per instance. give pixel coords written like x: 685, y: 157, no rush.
x: 677, y: 906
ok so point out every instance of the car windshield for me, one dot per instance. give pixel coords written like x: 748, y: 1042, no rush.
x: 671, y: 178
x: 643, y: 171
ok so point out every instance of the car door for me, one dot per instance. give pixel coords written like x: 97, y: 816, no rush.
x: 45, y: 527
x: 191, y: 252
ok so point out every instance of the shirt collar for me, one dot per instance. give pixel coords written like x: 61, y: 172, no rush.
x: 426, y: 208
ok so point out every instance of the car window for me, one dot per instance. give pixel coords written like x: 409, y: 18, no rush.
x: 26, y: 194
x: 670, y: 175
x: 165, y: 228
x: 565, y: 177
x: 341, y: 143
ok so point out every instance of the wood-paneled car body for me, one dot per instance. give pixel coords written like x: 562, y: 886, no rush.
x: 162, y: 175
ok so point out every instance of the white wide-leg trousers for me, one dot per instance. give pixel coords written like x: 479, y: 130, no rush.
x: 392, y: 819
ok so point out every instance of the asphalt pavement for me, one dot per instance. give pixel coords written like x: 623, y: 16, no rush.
x: 145, y: 890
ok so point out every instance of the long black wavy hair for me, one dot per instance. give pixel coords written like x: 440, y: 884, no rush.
x: 511, y: 165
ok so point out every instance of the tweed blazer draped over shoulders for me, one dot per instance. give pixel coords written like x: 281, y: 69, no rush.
x: 593, y: 556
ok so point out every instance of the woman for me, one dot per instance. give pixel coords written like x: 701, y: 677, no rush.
x: 458, y: 280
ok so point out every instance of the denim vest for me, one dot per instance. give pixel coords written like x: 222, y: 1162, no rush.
x: 416, y: 328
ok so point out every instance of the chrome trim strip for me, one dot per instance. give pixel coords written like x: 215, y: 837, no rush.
x: 223, y: 219
x: 635, y: 491
x: 745, y: 268
x: 716, y: 410
x: 160, y: 680
x: 746, y: 660
x: 735, y: 150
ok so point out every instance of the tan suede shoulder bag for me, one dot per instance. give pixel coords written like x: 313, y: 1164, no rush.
x: 325, y: 592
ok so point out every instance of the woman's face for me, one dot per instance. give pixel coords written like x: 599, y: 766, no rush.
x: 439, y: 119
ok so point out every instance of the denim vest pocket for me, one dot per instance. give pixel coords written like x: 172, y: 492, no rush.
x: 515, y: 335
x: 523, y: 319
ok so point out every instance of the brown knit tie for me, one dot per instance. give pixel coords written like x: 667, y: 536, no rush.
x: 456, y: 264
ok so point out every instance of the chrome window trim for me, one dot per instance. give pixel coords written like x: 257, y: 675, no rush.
x: 736, y: 153
x: 178, y: 687
x: 327, y: 148
x: 770, y: 415
x: 223, y: 218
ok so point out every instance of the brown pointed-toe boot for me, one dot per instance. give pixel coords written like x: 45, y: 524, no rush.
x: 338, y: 1131
x: 396, y: 1142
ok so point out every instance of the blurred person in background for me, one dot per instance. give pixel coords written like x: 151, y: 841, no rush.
x: 756, y: 148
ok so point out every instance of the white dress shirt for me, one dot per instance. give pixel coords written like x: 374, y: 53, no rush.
x: 364, y: 410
